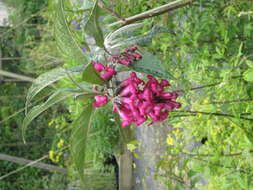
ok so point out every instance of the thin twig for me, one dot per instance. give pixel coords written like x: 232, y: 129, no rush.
x: 154, y: 12
x: 200, y: 87
x: 21, y: 23
x: 21, y: 110
x: 177, y: 179
x: 102, y: 5
x: 40, y: 165
x: 213, y: 114
x: 231, y: 101
x: 72, y: 80
x: 16, y: 76
x: 244, y: 170
x: 207, y: 85
x: 29, y: 164
x: 210, y: 155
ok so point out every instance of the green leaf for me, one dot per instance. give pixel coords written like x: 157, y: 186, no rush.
x: 65, y: 38
x: 249, y: 63
x: 248, y: 75
x: 55, y: 98
x: 90, y: 75
x: 112, y: 43
x: 48, y: 78
x: 92, y: 26
x: 112, y: 39
x: 80, y: 129
x: 149, y: 64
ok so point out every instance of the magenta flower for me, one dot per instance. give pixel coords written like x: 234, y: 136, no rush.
x: 100, y: 101
x: 107, y: 72
x: 99, y: 67
x: 137, y: 101
x: 140, y: 101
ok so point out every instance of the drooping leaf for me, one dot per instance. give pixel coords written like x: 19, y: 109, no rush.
x: 66, y: 39
x: 48, y: 78
x: 80, y: 129
x: 149, y: 64
x: 92, y: 27
x: 90, y: 75
x: 135, y: 40
x: 112, y: 37
x: 55, y: 98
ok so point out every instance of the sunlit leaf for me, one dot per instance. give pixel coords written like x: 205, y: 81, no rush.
x: 55, y: 98
x: 49, y: 78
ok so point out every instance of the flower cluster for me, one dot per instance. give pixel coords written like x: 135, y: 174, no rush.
x: 127, y: 57
x: 137, y: 101
x: 107, y: 72
x: 140, y: 101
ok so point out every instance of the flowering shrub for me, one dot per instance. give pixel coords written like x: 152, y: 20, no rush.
x: 135, y: 101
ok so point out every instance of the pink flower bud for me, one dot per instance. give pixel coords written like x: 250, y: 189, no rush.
x: 109, y: 73
x: 176, y: 104
x: 129, y: 90
x: 169, y: 106
x: 146, y: 95
x: 125, y: 123
x: 164, y: 83
x: 98, y: 66
x: 125, y: 114
x: 145, y: 108
x: 114, y: 108
x: 169, y: 95
x: 124, y: 62
x: 137, y: 56
x: 100, y: 101
x: 158, y: 108
x: 163, y: 116
x: 139, y: 121
x: 131, y: 57
x: 131, y: 49
x: 154, y: 117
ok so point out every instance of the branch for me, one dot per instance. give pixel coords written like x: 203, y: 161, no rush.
x: 154, y: 12
x: 231, y: 101
x: 244, y: 170
x: 22, y: 109
x: 17, y: 76
x: 207, y: 85
x: 215, y: 114
x: 11, y: 58
x: 31, y: 163
x: 102, y: 5
x: 200, y: 87
x: 210, y: 155
x: 40, y: 165
x: 17, y: 144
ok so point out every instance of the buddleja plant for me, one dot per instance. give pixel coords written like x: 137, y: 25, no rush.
x: 139, y: 98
